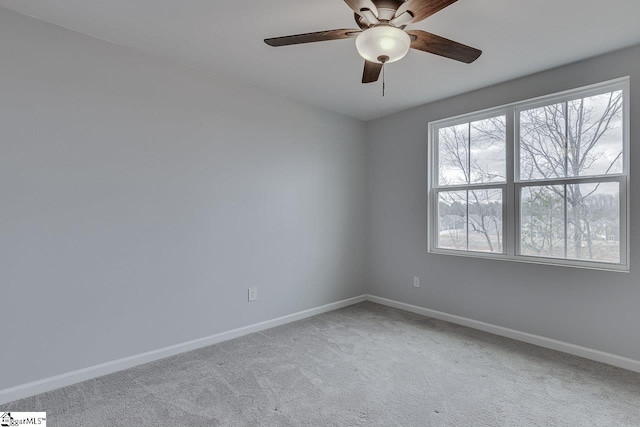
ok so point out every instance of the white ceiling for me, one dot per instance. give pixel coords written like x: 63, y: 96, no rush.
x: 518, y: 37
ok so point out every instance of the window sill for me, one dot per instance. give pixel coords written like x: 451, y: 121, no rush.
x: 587, y: 265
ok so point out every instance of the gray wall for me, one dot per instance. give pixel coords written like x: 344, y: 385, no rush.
x: 589, y: 308
x: 139, y: 199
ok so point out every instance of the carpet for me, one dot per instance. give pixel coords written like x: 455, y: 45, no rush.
x: 364, y: 365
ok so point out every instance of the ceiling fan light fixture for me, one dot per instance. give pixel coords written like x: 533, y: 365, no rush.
x: 383, y: 44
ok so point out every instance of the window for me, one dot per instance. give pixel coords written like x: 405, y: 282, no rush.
x: 537, y: 181
x: 471, y: 185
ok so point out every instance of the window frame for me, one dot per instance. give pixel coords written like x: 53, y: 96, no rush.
x: 511, y: 189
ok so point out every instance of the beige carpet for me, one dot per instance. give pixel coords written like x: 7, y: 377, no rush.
x: 365, y: 365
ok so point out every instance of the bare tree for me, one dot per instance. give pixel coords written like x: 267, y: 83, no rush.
x: 485, y: 217
x: 569, y: 139
x: 562, y: 140
x: 459, y: 164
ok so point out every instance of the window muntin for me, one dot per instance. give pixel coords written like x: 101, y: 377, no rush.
x: 563, y: 184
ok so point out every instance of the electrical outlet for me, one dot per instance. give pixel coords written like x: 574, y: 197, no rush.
x: 253, y: 294
x: 416, y: 282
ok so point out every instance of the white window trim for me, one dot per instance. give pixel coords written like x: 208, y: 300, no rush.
x: 512, y: 188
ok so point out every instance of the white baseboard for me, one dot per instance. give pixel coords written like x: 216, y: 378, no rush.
x: 576, y: 350
x: 63, y: 380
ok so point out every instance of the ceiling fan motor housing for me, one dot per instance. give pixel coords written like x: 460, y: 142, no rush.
x: 386, y: 10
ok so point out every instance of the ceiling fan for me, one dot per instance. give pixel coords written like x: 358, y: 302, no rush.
x: 382, y: 39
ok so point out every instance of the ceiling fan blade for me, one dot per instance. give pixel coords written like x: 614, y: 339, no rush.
x: 359, y: 5
x: 319, y: 36
x: 371, y: 72
x: 427, y: 42
x: 421, y: 9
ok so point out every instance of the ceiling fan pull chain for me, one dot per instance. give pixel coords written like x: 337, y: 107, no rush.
x: 383, y: 60
x: 383, y: 82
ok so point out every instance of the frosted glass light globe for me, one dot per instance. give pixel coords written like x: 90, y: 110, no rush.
x: 383, y: 41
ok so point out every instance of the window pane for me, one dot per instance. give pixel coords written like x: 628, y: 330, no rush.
x: 485, y: 220
x: 594, y: 221
x: 452, y: 220
x: 453, y: 160
x: 488, y: 150
x: 542, y: 221
x: 595, y: 135
x: 542, y: 142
